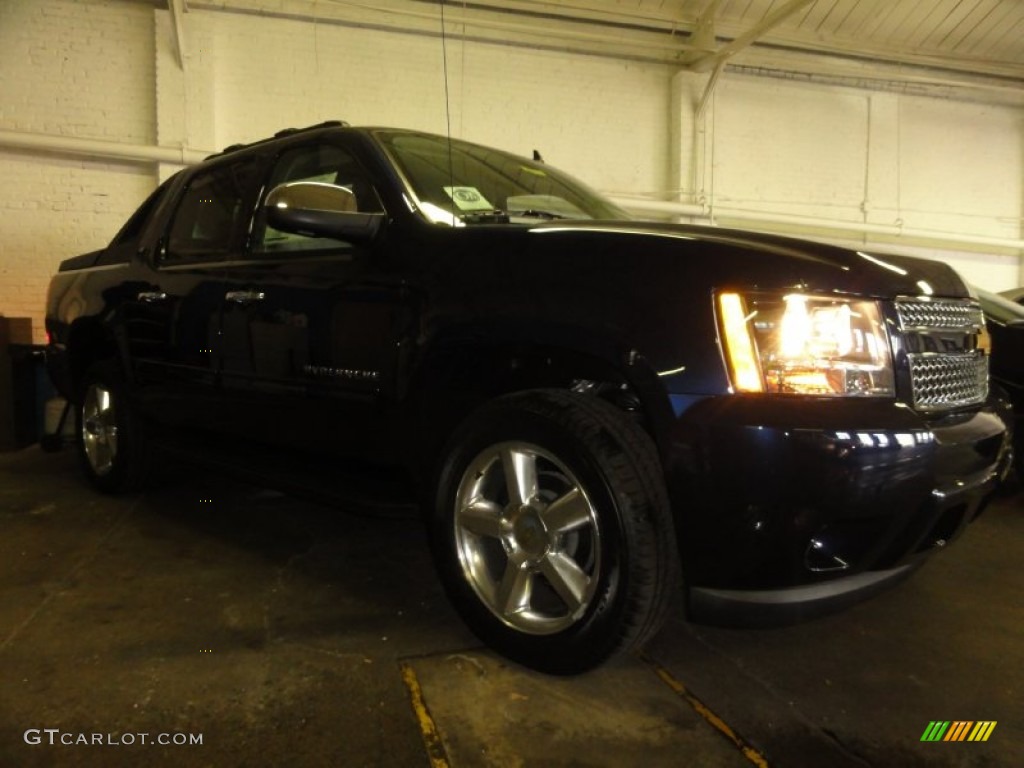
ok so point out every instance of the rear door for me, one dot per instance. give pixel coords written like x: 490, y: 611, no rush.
x: 177, y: 314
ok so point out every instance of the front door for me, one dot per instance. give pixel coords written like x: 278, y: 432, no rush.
x: 310, y: 325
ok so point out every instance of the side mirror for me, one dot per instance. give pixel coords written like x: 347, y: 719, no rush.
x: 316, y: 209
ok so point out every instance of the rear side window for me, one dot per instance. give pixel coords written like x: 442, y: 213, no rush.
x: 213, y: 213
x: 133, y: 228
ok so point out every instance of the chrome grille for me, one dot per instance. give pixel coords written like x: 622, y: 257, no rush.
x: 948, y: 381
x: 939, y: 314
x: 942, y: 337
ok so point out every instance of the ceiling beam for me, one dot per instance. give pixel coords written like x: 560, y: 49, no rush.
x: 702, y: 63
x: 177, y: 9
x: 702, y: 35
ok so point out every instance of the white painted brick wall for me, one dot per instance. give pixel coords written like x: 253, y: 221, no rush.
x: 82, y: 69
x: 787, y: 147
x: 602, y: 119
x: 854, y: 156
x: 804, y: 149
x: 968, y: 156
x: 77, y: 68
x: 106, y: 69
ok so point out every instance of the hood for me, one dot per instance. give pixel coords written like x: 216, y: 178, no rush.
x: 765, y: 261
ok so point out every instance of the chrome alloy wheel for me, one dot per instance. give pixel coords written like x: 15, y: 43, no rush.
x: 527, y: 537
x: 99, y: 429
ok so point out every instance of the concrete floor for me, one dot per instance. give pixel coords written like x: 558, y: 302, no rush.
x: 287, y: 633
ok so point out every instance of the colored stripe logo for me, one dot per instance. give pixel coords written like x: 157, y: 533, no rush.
x: 958, y: 730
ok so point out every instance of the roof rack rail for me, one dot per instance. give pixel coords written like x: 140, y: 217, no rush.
x: 281, y: 134
x: 324, y: 124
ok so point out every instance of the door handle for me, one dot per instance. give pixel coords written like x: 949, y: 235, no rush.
x: 149, y: 297
x: 244, y: 297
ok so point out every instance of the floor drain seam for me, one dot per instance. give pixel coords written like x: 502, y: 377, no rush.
x: 702, y: 709
x: 854, y: 754
x: 68, y: 578
x: 432, y: 741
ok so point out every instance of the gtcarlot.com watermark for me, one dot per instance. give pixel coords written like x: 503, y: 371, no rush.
x: 55, y: 737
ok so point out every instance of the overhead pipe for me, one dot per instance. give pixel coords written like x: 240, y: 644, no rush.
x: 99, y: 148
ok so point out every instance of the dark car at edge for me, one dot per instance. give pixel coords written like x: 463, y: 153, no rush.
x: 593, y: 413
x: 1005, y: 322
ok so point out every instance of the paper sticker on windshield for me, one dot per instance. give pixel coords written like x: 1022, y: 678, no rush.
x: 468, y: 199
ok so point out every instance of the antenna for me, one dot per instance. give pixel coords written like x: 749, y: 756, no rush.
x: 447, y: 109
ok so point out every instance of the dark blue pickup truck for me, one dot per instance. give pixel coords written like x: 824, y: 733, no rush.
x: 592, y: 413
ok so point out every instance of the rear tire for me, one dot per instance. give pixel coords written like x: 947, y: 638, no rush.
x: 552, y: 530
x: 112, y: 440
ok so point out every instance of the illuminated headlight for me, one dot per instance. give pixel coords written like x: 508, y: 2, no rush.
x: 805, y: 345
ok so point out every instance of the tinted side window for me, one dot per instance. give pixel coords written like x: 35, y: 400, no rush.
x: 212, y: 214
x: 132, y: 229
x: 324, y: 163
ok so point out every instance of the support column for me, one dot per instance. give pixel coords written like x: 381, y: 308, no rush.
x: 881, y: 204
x: 692, y: 137
x: 1020, y: 203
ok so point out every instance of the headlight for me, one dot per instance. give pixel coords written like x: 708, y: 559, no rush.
x: 805, y: 345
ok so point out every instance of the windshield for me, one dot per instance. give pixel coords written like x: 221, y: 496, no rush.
x: 1000, y: 308
x: 483, y: 185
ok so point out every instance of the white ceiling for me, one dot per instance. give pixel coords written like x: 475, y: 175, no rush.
x: 967, y: 32
x: 972, y: 35
x: 962, y: 47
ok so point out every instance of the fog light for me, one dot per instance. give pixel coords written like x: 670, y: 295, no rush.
x: 820, y: 557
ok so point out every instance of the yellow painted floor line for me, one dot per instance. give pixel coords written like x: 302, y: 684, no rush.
x: 431, y: 736
x: 701, y: 709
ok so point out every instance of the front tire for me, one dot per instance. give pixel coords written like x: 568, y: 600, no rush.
x: 552, y: 530
x: 112, y: 441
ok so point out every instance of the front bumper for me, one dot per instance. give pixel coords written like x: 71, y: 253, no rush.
x: 788, y: 509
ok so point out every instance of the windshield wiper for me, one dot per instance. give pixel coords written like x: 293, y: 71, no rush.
x: 485, y: 217
x: 498, y: 216
x: 536, y: 213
